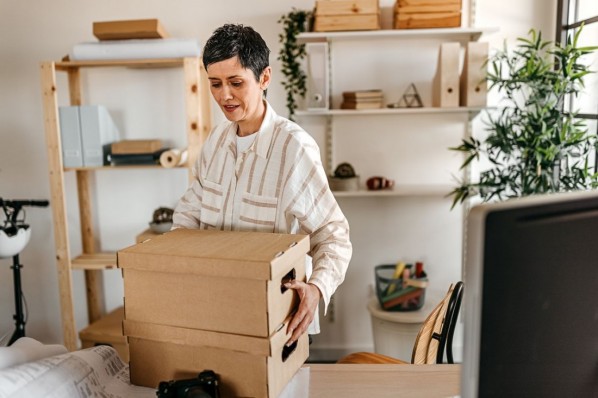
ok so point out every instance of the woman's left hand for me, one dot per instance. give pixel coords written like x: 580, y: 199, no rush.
x: 309, y: 296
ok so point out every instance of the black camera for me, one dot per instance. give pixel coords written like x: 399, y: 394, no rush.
x: 205, y: 385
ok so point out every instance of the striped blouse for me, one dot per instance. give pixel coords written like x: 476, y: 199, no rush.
x: 277, y: 185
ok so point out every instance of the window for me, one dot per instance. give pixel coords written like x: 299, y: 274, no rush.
x: 571, y: 15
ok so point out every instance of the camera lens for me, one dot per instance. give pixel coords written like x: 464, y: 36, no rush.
x: 195, y: 392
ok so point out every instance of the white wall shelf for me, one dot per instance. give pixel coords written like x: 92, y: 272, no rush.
x: 388, y: 111
x: 470, y: 34
x: 403, y: 190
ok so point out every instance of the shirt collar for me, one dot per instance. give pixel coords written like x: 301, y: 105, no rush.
x: 263, y: 139
x: 265, y: 133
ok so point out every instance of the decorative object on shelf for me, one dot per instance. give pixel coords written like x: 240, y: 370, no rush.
x: 401, y: 287
x: 410, y: 99
x: 418, y: 14
x: 174, y: 158
x: 342, y: 15
x: 532, y: 144
x: 161, y: 220
x: 377, y: 183
x: 363, y: 99
x: 291, y: 53
x: 344, y: 178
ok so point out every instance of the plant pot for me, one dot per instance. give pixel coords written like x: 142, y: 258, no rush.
x: 344, y: 184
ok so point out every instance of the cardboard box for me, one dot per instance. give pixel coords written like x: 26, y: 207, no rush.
x: 130, y: 29
x: 213, y: 280
x: 341, y: 15
x: 145, y: 235
x: 107, y: 331
x: 123, y: 147
x: 421, y: 14
x: 247, y: 366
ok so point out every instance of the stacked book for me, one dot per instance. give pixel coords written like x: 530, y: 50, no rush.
x: 363, y: 99
x: 136, y: 152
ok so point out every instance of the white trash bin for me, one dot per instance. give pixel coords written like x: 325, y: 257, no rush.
x: 395, y: 331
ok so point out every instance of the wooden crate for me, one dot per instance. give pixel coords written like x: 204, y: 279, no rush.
x: 107, y: 331
x: 421, y: 14
x: 340, y: 15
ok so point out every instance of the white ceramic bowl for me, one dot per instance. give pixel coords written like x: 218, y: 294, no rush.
x: 160, y: 228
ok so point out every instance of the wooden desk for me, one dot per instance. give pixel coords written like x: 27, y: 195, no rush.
x: 350, y: 380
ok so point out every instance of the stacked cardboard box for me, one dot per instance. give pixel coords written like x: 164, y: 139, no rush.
x: 338, y: 15
x: 418, y: 14
x: 198, y: 300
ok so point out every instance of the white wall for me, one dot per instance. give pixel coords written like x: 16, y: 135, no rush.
x: 35, y: 31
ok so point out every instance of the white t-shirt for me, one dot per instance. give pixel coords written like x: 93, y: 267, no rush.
x: 243, y: 143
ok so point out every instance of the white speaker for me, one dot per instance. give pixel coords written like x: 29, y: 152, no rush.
x: 317, y: 76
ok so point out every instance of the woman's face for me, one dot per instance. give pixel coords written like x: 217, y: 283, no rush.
x: 238, y: 94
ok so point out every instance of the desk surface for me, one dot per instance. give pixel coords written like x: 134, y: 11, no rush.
x: 349, y: 380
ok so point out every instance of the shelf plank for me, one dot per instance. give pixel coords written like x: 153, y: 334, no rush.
x: 125, y: 167
x: 94, y: 261
x: 471, y: 34
x: 389, y: 111
x: 131, y: 63
x: 401, y: 190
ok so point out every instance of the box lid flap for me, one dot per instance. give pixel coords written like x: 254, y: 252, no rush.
x: 196, y: 337
x: 255, y: 255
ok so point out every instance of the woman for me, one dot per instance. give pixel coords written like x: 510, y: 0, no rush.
x: 261, y: 172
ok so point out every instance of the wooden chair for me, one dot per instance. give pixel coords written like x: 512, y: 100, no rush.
x: 434, y: 338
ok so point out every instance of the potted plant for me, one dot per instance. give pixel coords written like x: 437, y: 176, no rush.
x: 532, y: 145
x: 291, y: 53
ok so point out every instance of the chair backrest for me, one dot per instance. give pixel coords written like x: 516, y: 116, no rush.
x: 436, y: 334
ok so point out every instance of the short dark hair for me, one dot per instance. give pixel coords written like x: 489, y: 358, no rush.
x: 232, y: 40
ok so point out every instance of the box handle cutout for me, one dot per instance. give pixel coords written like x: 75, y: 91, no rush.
x: 279, y: 328
x: 290, y: 276
x: 278, y: 254
x: 287, y: 351
x: 293, y: 244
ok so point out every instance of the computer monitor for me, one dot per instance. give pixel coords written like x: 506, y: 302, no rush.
x: 531, y: 298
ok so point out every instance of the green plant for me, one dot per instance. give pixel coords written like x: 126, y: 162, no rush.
x: 532, y: 145
x: 291, y: 53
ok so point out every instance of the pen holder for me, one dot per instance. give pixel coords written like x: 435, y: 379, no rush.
x: 399, y: 294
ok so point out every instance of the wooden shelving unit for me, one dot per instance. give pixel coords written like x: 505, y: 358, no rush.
x: 198, y: 125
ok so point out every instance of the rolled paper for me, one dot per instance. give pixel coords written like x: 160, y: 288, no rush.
x: 26, y: 350
x: 174, y: 158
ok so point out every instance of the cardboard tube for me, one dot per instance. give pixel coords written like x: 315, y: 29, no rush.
x: 174, y: 158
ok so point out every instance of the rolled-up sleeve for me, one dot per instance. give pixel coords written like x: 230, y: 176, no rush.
x: 312, y: 203
x: 187, y: 213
